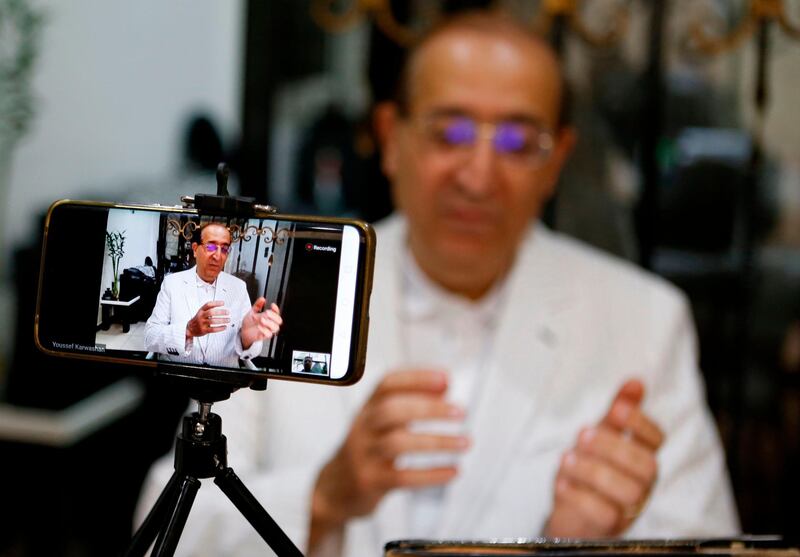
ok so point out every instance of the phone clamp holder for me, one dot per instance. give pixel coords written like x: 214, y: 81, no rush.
x: 223, y: 203
x: 201, y: 452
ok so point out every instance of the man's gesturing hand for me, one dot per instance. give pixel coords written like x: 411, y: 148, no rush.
x: 211, y: 318
x: 260, y: 325
x: 363, y: 470
x: 606, y: 478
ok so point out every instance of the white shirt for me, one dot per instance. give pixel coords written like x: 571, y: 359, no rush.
x: 206, y: 292
x: 441, y: 330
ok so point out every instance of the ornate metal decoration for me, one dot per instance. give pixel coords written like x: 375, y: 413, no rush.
x: 238, y: 233
x: 380, y: 10
x: 268, y: 234
x: 570, y: 11
x: 186, y: 229
x: 759, y: 12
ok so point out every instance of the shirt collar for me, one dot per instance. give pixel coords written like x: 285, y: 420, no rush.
x: 201, y: 283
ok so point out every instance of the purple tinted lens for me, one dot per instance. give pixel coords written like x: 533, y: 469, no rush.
x: 462, y: 131
x: 212, y: 248
x: 509, y: 138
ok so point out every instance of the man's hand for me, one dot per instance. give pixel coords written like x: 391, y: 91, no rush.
x: 211, y: 318
x: 363, y: 470
x: 606, y: 478
x: 260, y: 325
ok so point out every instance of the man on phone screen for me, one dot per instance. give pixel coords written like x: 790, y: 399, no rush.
x: 518, y: 383
x: 203, y: 315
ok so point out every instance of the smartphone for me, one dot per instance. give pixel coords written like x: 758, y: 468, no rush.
x: 120, y: 282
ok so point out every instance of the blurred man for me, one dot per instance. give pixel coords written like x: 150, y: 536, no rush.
x: 517, y: 383
x: 203, y: 315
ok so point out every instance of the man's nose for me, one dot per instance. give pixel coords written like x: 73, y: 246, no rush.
x: 478, y: 175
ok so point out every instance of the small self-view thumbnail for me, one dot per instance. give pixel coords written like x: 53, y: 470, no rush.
x: 311, y: 363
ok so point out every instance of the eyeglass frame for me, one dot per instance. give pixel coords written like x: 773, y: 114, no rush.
x: 544, y: 140
x: 223, y: 248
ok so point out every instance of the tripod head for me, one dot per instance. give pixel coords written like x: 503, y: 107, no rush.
x: 223, y: 203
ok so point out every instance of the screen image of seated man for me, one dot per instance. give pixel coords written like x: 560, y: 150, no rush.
x: 561, y: 383
x: 203, y: 315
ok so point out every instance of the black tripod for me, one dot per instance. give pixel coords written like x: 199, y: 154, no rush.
x: 201, y: 452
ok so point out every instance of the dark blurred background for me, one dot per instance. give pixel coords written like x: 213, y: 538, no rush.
x: 688, y: 164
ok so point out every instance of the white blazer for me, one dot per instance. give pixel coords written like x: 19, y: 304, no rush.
x: 177, y: 303
x: 577, y: 325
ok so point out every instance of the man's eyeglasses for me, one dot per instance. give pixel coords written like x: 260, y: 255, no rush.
x: 520, y: 139
x: 212, y: 248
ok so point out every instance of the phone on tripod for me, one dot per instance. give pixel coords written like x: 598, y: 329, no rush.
x: 119, y: 283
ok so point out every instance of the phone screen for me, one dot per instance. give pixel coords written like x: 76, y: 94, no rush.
x: 123, y: 283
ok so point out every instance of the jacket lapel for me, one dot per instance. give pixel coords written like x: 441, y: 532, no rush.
x: 383, y: 350
x: 190, y: 288
x: 223, y: 289
x: 524, y: 363
x: 385, y: 354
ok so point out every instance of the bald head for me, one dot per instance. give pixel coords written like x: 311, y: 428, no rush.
x: 486, y: 34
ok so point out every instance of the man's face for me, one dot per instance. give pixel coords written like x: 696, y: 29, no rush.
x: 469, y: 205
x: 211, y: 254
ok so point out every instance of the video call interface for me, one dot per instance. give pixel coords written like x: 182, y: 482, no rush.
x: 308, y: 269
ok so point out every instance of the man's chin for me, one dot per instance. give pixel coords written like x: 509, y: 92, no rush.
x: 454, y: 250
x: 210, y: 275
x: 464, y: 251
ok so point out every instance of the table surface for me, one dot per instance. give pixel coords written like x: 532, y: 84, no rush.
x: 120, y: 302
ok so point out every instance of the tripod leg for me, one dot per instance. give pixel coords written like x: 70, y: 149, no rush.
x: 168, y: 538
x: 150, y: 527
x: 256, y: 515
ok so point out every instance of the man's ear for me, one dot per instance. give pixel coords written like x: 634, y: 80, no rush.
x: 566, y: 138
x: 565, y: 141
x: 384, y: 122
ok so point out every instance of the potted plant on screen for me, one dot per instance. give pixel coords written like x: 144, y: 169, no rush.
x: 115, y: 242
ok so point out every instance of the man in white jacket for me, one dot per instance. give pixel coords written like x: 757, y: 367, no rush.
x: 517, y: 383
x: 203, y: 315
